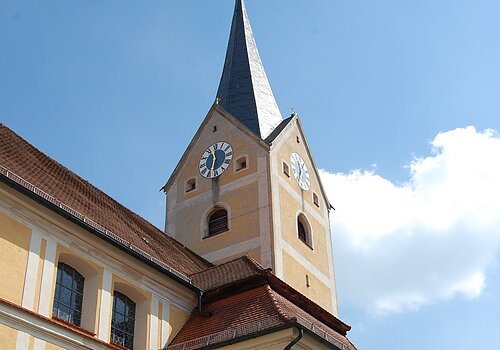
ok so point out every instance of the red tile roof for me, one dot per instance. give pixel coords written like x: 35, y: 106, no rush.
x: 242, y: 298
x: 246, y: 313
x: 41, y: 174
x: 226, y: 273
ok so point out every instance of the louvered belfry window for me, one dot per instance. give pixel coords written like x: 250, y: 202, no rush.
x: 302, y: 233
x: 217, y: 222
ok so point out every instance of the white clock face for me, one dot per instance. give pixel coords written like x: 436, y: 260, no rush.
x: 216, y: 159
x: 300, y: 171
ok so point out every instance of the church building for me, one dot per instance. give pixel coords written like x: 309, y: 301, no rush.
x: 245, y: 260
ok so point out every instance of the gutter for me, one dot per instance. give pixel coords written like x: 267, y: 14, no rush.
x: 178, y: 277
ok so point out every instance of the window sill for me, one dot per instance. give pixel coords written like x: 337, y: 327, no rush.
x: 216, y: 234
x: 73, y: 326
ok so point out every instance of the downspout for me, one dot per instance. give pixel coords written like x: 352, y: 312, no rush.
x: 200, y: 307
x: 296, y: 340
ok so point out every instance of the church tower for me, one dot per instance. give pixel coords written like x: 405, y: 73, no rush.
x: 247, y: 182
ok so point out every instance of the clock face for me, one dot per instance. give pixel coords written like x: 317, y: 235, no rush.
x: 216, y: 159
x: 300, y: 171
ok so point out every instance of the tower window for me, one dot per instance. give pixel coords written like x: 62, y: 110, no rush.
x: 123, y: 321
x: 68, y: 297
x: 315, y: 199
x: 241, y: 163
x: 304, y: 230
x: 217, y: 222
x: 190, y: 185
x: 286, y: 170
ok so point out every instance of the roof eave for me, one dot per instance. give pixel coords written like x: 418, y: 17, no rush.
x: 51, y: 206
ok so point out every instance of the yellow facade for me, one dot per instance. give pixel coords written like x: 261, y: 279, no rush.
x: 14, y: 245
x: 61, y: 241
x: 8, y: 337
x: 177, y: 319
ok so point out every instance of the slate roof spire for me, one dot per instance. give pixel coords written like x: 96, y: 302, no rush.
x: 244, y: 90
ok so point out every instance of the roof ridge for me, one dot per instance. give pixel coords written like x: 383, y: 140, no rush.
x: 253, y: 263
x: 285, y: 317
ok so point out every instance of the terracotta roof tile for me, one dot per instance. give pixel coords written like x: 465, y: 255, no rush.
x: 226, y: 273
x: 24, y: 160
x: 244, y: 313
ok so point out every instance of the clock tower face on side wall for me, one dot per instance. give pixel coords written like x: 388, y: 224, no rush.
x: 247, y: 183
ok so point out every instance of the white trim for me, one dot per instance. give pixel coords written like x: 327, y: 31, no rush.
x: 306, y: 263
x: 39, y: 344
x: 47, y: 285
x: 234, y: 249
x: 276, y: 217
x: 22, y: 341
x: 45, y: 331
x: 31, y: 274
x: 153, y: 324
x: 105, y: 307
x: 165, y: 323
x: 266, y: 254
x: 308, y: 208
x: 206, y: 214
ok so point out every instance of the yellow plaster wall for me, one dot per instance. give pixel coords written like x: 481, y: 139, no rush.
x: 14, y: 245
x: 177, y: 319
x: 8, y: 337
x: 243, y: 221
x: 284, y: 152
x: 241, y: 143
x: 295, y: 275
x: 318, y: 256
x: 191, y: 208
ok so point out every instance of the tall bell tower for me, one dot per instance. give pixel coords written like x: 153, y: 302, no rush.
x: 247, y: 182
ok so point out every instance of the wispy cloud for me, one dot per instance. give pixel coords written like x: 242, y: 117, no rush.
x: 398, y: 247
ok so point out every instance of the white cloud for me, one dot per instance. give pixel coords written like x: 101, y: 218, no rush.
x: 398, y: 247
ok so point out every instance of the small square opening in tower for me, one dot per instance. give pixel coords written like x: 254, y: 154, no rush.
x: 241, y: 163
x: 190, y: 185
x: 286, y: 170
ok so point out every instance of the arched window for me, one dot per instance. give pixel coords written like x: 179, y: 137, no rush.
x: 304, y: 230
x: 123, y: 321
x: 217, y: 222
x: 68, y: 298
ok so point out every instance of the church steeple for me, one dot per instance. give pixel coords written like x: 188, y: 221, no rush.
x: 244, y: 90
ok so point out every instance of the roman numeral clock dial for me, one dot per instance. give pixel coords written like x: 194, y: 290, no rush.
x: 216, y: 159
x: 300, y: 171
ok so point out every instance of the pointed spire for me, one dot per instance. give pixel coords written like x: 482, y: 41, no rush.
x: 244, y: 90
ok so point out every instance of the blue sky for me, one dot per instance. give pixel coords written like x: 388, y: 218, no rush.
x: 385, y: 90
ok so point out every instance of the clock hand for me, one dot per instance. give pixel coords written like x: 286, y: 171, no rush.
x: 213, y: 160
